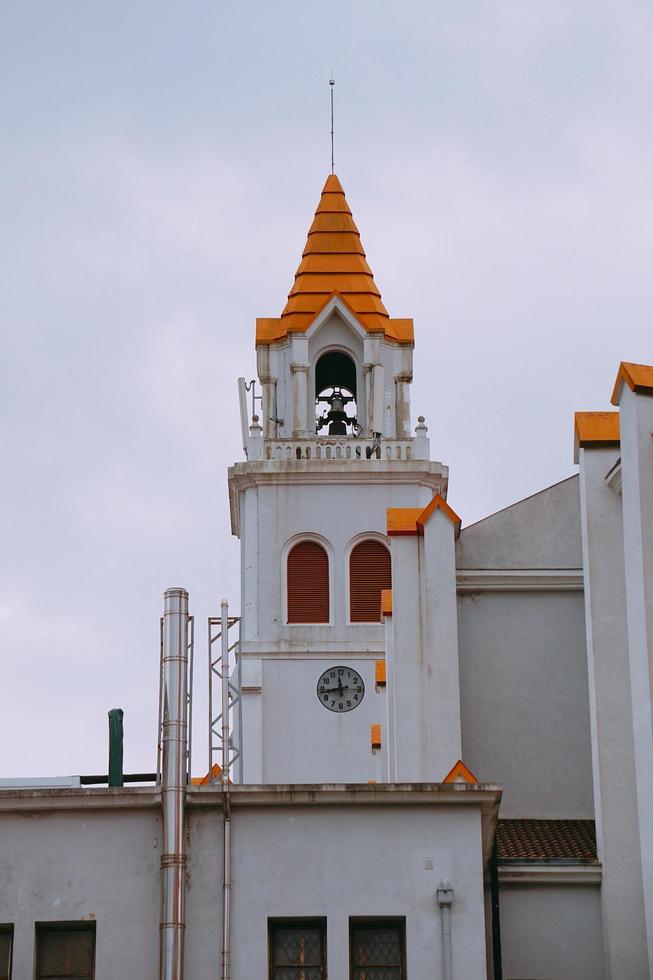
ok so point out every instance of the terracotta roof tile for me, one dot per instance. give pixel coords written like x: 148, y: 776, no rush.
x: 333, y: 263
x: 551, y: 841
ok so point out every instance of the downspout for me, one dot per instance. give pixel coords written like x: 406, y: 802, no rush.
x: 226, y: 803
x: 174, y: 737
x: 445, y: 901
x: 496, y: 914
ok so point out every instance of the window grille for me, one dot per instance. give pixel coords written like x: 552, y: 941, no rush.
x: 369, y: 573
x: 65, y: 951
x: 377, y: 950
x: 308, y: 583
x: 298, y: 949
x: 6, y: 943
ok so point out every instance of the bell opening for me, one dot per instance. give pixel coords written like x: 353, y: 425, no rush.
x: 335, y: 395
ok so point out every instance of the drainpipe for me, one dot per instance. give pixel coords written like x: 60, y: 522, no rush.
x: 496, y: 914
x: 173, y: 782
x: 445, y: 901
x: 224, y: 778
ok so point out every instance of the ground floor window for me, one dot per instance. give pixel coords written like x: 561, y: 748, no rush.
x: 6, y: 942
x: 65, y: 950
x: 377, y: 949
x: 297, y: 949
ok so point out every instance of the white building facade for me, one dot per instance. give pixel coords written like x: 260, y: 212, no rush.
x: 439, y: 757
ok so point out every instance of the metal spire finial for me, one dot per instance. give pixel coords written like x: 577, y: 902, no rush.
x: 332, y: 83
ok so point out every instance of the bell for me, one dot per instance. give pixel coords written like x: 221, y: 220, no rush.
x: 336, y: 418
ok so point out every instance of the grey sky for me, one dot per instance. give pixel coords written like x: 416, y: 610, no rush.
x: 159, y: 167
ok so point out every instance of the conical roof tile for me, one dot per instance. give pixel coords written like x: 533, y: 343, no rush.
x: 333, y: 263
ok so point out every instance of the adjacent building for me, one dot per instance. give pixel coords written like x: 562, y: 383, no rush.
x: 434, y: 755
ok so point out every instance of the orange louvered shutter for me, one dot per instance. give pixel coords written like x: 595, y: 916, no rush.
x: 308, y: 584
x: 369, y: 573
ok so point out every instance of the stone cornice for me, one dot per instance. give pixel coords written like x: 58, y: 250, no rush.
x: 519, y: 580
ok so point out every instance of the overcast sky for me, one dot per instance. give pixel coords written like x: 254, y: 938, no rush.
x: 160, y: 164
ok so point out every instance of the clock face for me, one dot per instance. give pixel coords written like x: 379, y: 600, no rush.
x: 340, y: 689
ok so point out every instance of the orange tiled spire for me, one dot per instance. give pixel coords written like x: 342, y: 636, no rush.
x: 333, y: 262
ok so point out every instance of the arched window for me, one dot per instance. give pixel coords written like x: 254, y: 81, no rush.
x: 308, y: 583
x: 369, y: 573
x: 335, y: 395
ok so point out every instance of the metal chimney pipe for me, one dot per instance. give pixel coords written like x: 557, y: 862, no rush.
x: 174, y: 740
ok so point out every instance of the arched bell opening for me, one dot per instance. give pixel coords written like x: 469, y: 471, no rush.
x: 335, y: 395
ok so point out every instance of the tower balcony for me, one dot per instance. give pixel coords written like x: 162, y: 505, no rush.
x: 337, y: 448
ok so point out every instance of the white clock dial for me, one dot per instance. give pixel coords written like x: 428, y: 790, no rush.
x: 340, y: 689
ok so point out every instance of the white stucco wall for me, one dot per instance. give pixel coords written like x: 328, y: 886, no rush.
x: 551, y: 932
x: 324, y: 860
x: 305, y: 742
x: 363, y: 861
x: 524, y: 700
x: 338, y: 504
x: 542, y: 531
x: 91, y: 865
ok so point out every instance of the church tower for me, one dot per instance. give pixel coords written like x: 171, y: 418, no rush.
x: 327, y: 508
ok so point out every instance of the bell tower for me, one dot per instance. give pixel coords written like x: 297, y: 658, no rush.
x: 331, y: 452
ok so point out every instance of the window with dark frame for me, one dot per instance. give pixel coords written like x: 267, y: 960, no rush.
x: 297, y: 949
x: 377, y: 949
x: 65, y: 950
x: 6, y: 945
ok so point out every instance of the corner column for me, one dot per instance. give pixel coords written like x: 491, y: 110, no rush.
x: 300, y: 400
x: 634, y: 395
x: 613, y: 763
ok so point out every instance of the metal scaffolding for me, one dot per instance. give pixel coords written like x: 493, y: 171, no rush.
x: 224, y: 694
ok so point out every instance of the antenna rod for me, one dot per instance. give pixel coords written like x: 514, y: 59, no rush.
x: 332, y: 83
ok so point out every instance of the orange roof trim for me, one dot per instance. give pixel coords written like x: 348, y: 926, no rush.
x: 407, y: 521
x: 638, y: 377
x: 216, y: 772
x: 440, y: 503
x: 333, y: 264
x: 460, y: 774
x: 597, y: 429
x: 402, y: 521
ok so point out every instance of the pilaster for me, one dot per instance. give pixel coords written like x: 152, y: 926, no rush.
x: 636, y: 418
x: 615, y: 801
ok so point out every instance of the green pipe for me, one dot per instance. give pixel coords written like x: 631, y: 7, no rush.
x: 115, y: 747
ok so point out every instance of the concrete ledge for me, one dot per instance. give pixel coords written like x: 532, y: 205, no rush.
x: 519, y: 580
x: 137, y: 798
x: 531, y: 873
x: 348, y: 794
